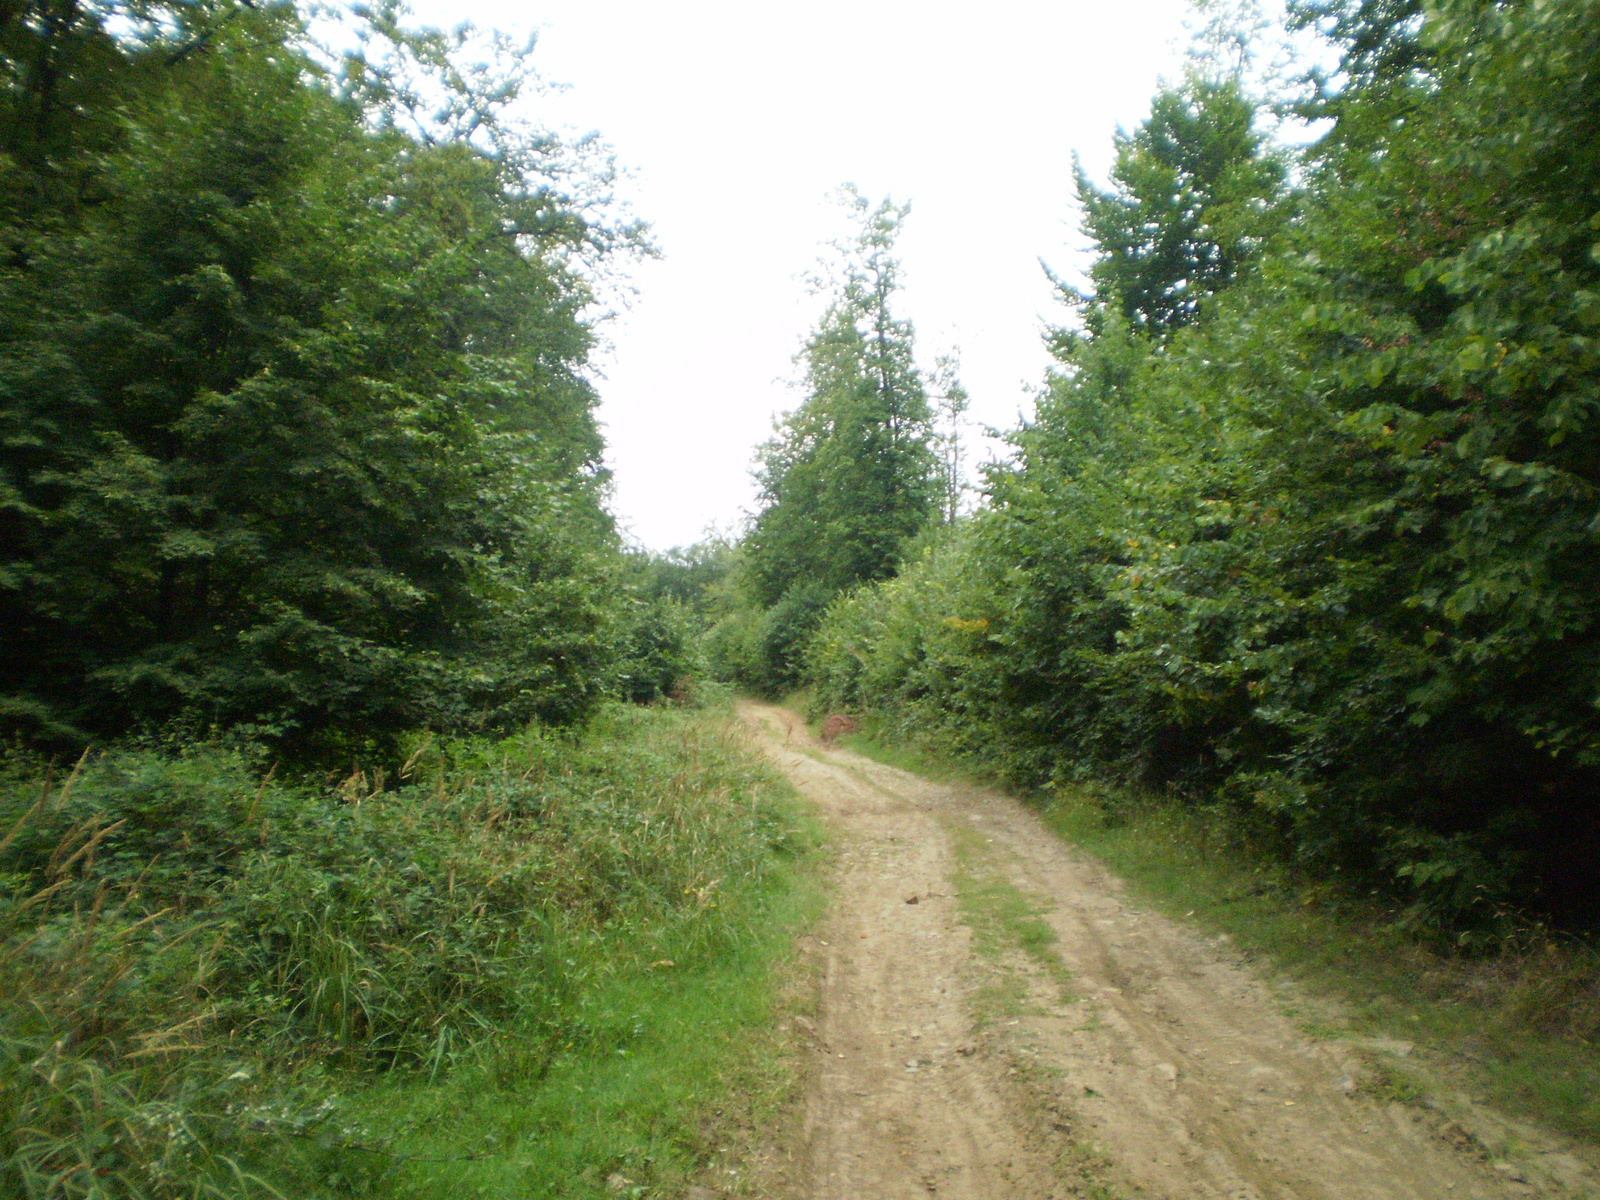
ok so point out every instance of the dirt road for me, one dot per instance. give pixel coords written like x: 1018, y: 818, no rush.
x: 1109, y: 1052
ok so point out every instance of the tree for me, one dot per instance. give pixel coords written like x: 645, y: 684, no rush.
x: 1326, y: 551
x: 850, y: 476
x: 950, y: 402
x: 296, y: 433
x: 1379, y: 43
x: 1192, y: 193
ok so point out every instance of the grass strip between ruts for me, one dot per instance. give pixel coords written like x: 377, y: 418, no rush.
x: 1502, y: 1030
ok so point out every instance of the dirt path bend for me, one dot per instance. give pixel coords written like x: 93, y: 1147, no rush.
x: 1151, y: 1062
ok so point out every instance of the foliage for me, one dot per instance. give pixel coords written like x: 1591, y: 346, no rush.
x: 851, y: 475
x: 1382, y: 58
x: 1518, y: 1016
x: 676, y: 598
x: 950, y: 401
x: 658, y: 654
x: 1189, y: 206
x: 1326, y: 551
x: 193, y: 957
x: 296, y: 431
x: 692, y: 576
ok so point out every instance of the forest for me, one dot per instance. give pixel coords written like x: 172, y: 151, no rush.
x: 331, y: 805
x: 1304, y: 529
x: 361, y: 781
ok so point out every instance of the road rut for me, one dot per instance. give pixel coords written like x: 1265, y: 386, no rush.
x: 1167, y: 1067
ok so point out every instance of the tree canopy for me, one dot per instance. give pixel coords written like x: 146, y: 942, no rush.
x: 849, y: 477
x: 1313, y: 541
x: 1192, y: 191
x: 296, y: 429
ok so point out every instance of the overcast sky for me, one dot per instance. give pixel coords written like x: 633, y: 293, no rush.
x: 737, y: 120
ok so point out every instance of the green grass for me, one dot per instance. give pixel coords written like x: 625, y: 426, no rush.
x: 546, y: 966
x: 1519, y: 1030
x: 873, y: 742
x: 694, y: 1060
x: 1006, y: 922
x: 1002, y: 919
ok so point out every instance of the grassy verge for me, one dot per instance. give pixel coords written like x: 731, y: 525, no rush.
x: 693, y: 1063
x: 876, y: 742
x: 541, y: 967
x: 1519, y: 1030
x: 1003, y: 920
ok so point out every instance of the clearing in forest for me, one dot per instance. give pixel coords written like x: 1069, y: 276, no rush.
x: 998, y: 1019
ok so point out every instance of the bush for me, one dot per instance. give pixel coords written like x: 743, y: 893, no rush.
x: 764, y: 649
x: 660, y: 654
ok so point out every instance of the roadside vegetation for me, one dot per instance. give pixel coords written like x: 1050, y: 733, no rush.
x: 535, y: 965
x: 367, y: 826
x: 1311, y: 544
x: 852, y: 478
x: 1515, y: 1028
x: 1303, y: 527
x: 1286, y: 596
x: 298, y: 436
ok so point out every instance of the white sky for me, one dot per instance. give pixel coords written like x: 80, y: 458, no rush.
x: 736, y: 122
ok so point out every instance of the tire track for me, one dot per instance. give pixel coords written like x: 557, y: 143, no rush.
x: 1172, y: 1064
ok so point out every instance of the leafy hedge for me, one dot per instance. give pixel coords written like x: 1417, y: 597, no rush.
x: 1329, y: 551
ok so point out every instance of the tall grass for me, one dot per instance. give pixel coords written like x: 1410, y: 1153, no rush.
x: 198, y: 961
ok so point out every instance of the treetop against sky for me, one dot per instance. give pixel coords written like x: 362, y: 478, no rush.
x: 736, y: 122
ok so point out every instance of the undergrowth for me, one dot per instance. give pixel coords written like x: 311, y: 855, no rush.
x: 526, y: 966
x: 1516, y: 1021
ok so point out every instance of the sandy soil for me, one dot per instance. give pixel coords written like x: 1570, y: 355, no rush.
x: 1167, y: 1067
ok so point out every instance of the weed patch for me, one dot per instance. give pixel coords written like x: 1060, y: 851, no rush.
x: 534, y: 965
x: 1390, y: 1084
